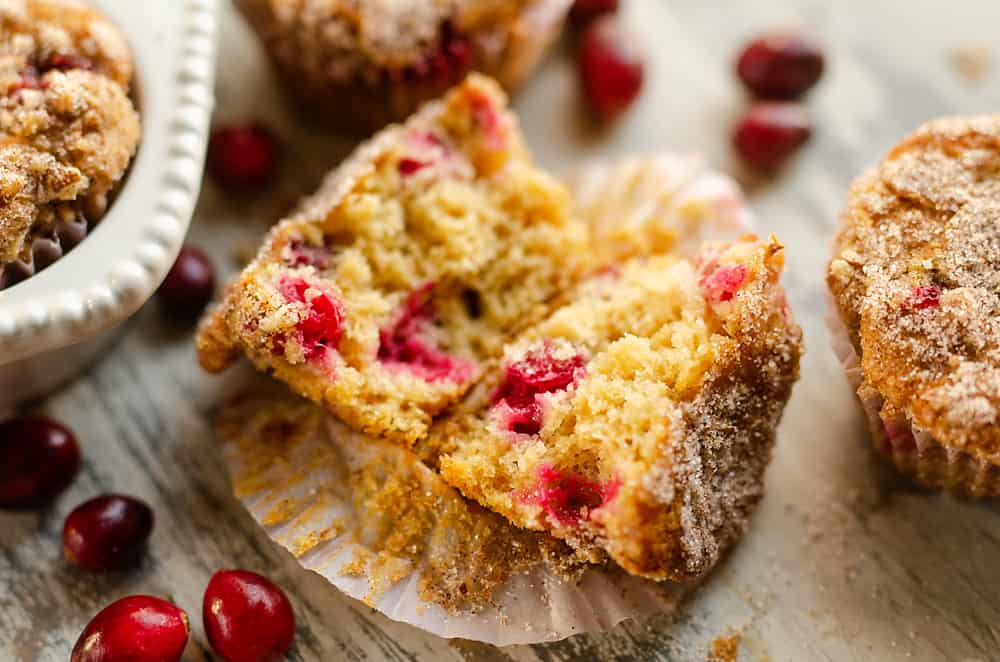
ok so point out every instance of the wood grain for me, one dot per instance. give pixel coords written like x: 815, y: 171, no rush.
x: 844, y: 561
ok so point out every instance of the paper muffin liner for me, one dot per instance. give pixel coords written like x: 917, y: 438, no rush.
x: 378, y: 524
x: 913, y: 451
x: 367, y: 102
x: 663, y: 202
x: 45, y: 250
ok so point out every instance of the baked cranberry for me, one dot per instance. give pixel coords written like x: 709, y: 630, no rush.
x: 403, y: 344
x: 568, y: 498
x: 63, y: 62
x: 610, y: 69
x: 29, y: 78
x: 722, y: 283
x: 247, y: 617
x: 189, y: 285
x: 780, y: 66
x: 537, y: 373
x: 38, y: 459
x: 107, y: 532
x: 584, y: 11
x: 925, y: 296
x: 139, y: 628
x: 242, y: 156
x: 771, y: 132
x: 323, y: 325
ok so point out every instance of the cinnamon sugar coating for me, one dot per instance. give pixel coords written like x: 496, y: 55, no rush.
x: 68, y: 129
x: 364, y: 64
x: 914, y: 276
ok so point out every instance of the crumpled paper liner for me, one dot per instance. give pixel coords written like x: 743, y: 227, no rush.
x: 658, y: 203
x: 913, y: 451
x: 382, y: 527
x: 379, y: 525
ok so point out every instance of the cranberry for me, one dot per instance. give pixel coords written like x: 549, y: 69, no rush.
x: 243, y: 156
x: 38, y: 459
x: 107, y: 532
x: 925, y: 296
x: 29, y: 78
x: 189, y: 285
x: 584, y: 11
x: 569, y: 498
x: 139, y: 628
x: 610, y: 70
x: 722, y: 283
x: 538, y: 372
x: 63, y: 62
x: 780, y: 66
x: 247, y: 617
x: 771, y: 132
x: 323, y: 326
x: 401, y: 345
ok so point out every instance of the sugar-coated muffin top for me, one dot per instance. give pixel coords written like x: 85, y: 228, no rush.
x: 915, y: 280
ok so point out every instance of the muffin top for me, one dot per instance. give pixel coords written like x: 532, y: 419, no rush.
x: 68, y: 129
x: 346, y: 36
x: 915, y: 279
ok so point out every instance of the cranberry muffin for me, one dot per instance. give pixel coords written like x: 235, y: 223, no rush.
x: 388, y: 291
x: 68, y: 129
x: 363, y: 64
x: 914, y: 280
x: 637, y: 419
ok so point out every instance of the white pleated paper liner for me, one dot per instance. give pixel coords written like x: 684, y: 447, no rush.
x: 913, y: 451
x: 333, y: 498
x: 659, y: 203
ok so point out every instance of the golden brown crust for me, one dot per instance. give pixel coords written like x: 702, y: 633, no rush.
x: 362, y: 65
x: 915, y: 282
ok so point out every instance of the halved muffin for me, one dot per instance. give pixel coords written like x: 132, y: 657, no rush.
x: 639, y: 417
x: 391, y: 287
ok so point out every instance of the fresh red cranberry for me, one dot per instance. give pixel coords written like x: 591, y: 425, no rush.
x: 139, y: 628
x: 584, y: 11
x: 247, y: 617
x: 243, y: 156
x: 323, y: 325
x: 189, y: 285
x: 305, y: 254
x: 610, y: 69
x: 63, y: 62
x: 780, y: 66
x: 771, y: 132
x: 537, y: 373
x: 38, y: 459
x: 722, y: 283
x: 925, y: 296
x: 568, y: 498
x: 107, y: 533
x: 402, y: 345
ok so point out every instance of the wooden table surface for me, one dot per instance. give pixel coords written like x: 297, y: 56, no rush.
x: 844, y: 560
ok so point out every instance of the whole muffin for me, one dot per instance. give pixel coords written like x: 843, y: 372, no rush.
x: 361, y: 64
x: 915, y: 282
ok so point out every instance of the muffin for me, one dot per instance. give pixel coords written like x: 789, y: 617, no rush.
x: 917, y: 296
x: 68, y: 129
x: 636, y: 420
x: 386, y: 293
x: 363, y: 64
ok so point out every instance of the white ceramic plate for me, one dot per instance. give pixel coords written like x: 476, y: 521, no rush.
x: 55, y: 322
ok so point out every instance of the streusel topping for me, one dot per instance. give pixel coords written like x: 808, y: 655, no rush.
x: 916, y: 281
